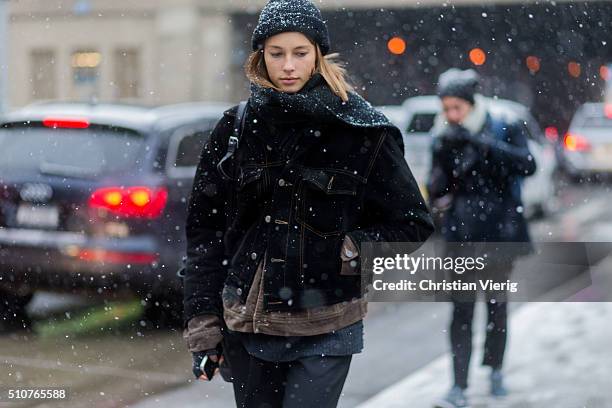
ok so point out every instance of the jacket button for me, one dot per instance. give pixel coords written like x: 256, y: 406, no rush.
x: 281, y: 182
x: 254, y: 256
x: 239, y: 291
x: 268, y: 218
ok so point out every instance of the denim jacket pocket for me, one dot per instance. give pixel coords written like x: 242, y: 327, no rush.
x: 324, y: 198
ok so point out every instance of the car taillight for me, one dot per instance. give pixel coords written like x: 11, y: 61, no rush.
x: 99, y: 255
x: 576, y: 143
x: 66, y: 123
x: 139, y: 202
x: 551, y: 133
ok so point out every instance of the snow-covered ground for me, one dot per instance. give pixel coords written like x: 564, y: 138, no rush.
x: 559, y: 356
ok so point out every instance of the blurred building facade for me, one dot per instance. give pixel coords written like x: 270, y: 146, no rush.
x: 167, y: 51
x: 151, y: 52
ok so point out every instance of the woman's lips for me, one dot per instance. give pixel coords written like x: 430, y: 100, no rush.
x: 288, y: 81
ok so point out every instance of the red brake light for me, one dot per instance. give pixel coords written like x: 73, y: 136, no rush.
x: 576, y: 143
x: 98, y: 255
x: 69, y: 123
x: 551, y: 133
x: 608, y: 110
x: 139, y: 202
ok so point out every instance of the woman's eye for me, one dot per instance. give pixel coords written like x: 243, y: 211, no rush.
x: 302, y: 54
x: 276, y: 55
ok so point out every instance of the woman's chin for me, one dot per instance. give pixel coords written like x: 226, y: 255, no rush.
x: 289, y: 89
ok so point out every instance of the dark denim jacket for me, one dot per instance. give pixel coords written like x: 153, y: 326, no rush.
x: 340, y: 180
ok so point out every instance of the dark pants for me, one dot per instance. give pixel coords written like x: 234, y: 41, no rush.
x: 307, y: 382
x: 496, y: 329
x: 461, y: 338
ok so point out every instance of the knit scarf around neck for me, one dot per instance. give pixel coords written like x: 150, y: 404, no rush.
x: 314, y: 102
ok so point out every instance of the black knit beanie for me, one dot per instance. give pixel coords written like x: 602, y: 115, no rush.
x: 458, y: 83
x: 279, y: 16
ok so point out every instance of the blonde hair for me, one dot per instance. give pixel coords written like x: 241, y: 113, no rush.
x: 330, y: 68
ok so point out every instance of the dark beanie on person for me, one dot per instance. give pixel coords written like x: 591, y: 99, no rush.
x: 458, y: 83
x: 280, y: 16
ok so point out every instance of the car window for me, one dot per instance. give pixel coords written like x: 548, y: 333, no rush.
x: 421, y: 123
x: 188, y: 150
x: 596, y: 122
x: 69, y: 152
x: 184, y: 150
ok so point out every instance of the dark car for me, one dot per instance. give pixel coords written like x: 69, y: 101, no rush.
x: 93, y: 199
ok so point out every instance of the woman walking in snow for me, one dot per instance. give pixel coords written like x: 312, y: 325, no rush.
x: 277, y: 214
x: 478, y: 164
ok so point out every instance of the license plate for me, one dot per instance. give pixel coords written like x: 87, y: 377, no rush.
x: 603, y: 155
x: 37, y: 216
x: 603, y: 152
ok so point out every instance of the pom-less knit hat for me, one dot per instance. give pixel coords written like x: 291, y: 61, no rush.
x: 458, y: 83
x: 279, y: 16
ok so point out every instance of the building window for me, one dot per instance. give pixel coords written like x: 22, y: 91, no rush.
x: 86, y: 73
x: 43, y: 74
x: 127, y: 73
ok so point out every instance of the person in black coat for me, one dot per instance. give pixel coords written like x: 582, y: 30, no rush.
x: 478, y: 164
x: 272, y: 279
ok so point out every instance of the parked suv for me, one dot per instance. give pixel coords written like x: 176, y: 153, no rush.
x: 93, y: 199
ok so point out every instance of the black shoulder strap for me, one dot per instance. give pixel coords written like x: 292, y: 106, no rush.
x: 234, y: 139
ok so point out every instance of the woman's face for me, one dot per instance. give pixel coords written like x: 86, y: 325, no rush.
x: 455, y: 109
x: 290, y: 60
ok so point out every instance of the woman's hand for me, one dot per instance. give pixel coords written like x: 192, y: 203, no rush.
x: 199, y: 356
